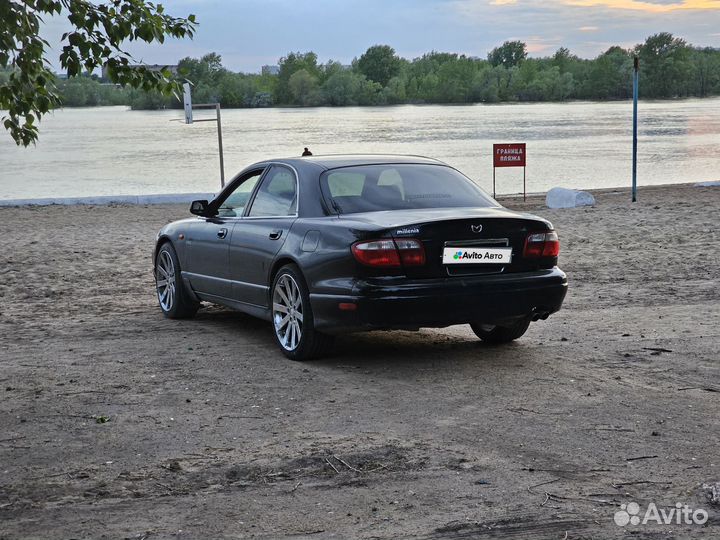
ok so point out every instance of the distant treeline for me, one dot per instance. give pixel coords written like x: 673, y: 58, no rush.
x: 669, y: 68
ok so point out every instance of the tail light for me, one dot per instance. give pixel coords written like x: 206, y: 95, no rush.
x: 411, y: 252
x: 542, y: 244
x: 390, y: 253
x: 377, y: 253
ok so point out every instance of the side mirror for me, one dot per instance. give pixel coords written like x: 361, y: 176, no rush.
x: 199, y: 208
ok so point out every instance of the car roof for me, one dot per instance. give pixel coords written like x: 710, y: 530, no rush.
x: 333, y: 161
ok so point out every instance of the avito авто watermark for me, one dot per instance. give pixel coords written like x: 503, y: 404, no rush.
x: 681, y: 514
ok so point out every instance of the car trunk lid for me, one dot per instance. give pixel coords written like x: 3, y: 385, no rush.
x: 482, y: 230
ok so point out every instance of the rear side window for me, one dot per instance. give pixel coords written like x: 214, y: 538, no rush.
x: 277, y: 195
x: 372, y: 188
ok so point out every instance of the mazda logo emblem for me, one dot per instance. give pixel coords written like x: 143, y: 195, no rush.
x: 476, y: 228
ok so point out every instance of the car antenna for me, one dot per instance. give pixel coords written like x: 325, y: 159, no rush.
x: 336, y: 206
x: 306, y: 152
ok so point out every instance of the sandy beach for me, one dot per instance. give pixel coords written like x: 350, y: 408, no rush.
x: 116, y: 422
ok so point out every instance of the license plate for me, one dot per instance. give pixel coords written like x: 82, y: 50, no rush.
x: 457, y: 255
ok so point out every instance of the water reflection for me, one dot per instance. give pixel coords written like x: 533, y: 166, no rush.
x: 106, y: 151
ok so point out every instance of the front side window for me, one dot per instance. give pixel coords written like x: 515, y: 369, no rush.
x: 234, y: 204
x: 277, y: 195
x: 373, y: 188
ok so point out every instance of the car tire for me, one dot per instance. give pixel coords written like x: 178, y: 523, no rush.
x: 174, y: 299
x: 292, y: 319
x: 497, y: 335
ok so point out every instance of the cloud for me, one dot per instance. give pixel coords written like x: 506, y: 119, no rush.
x: 569, y: 23
x: 251, y: 33
x: 538, y: 45
x: 657, y: 6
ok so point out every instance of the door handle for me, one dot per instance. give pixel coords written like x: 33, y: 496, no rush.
x: 222, y: 233
x: 274, y: 235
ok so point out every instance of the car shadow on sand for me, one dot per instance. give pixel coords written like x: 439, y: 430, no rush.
x: 378, y: 348
x: 424, y: 347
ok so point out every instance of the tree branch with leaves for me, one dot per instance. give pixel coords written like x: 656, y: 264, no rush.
x: 99, y: 32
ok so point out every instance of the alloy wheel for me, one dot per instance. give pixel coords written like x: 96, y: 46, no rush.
x: 165, y: 280
x: 287, y: 312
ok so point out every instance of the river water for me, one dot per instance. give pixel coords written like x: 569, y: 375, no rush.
x: 115, y: 151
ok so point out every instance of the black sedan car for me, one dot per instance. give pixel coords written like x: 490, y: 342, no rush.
x: 330, y: 244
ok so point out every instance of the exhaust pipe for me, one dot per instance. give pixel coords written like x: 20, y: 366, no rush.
x: 539, y: 314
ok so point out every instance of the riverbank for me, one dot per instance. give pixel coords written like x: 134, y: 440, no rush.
x: 186, y: 198
x: 164, y: 198
x: 119, y: 422
x: 110, y: 151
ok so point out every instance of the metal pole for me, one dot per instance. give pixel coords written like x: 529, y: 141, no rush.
x: 636, y: 66
x: 494, y: 183
x: 222, y: 163
x: 524, y: 186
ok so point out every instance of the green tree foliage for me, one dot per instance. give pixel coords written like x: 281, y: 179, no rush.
x: 379, y: 64
x: 152, y: 100
x: 664, y: 66
x: 211, y: 83
x: 670, y: 68
x: 610, y: 75
x: 85, y: 91
x: 206, y: 75
x: 96, y: 40
x: 289, y: 65
x: 303, y: 88
x: 705, y: 72
x: 509, y: 54
x: 206, y: 70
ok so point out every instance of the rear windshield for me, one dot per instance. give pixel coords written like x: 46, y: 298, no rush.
x: 372, y: 188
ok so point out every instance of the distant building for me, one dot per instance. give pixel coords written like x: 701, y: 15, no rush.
x: 151, y: 67
x: 270, y: 70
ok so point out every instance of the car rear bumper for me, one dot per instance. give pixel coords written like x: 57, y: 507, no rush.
x: 401, y: 303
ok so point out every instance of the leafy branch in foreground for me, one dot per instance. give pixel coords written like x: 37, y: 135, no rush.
x: 98, y: 33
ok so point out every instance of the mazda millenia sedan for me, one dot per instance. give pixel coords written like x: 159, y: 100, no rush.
x: 325, y: 245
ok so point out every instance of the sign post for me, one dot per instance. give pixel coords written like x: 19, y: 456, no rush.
x: 636, y: 69
x: 222, y: 162
x: 510, y: 155
x: 188, y: 106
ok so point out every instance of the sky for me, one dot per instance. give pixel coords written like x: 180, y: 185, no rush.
x: 251, y: 33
